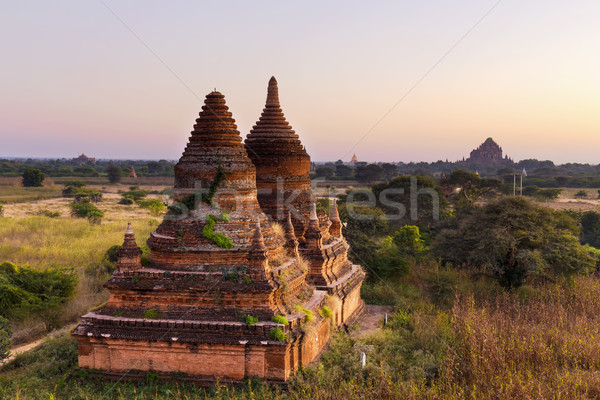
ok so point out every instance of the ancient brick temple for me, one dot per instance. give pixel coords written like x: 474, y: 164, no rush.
x: 236, y: 284
x: 488, y: 152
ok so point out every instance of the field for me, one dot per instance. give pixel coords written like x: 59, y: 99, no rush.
x: 451, y: 333
x: 29, y: 237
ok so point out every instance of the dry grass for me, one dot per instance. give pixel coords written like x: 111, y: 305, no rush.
x: 518, y: 347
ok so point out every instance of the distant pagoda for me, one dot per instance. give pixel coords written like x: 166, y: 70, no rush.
x: 488, y: 152
x: 217, y: 265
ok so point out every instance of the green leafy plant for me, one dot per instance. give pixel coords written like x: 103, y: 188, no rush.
x: 278, y: 335
x: 152, y: 314
x: 250, y: 320
x: 325, y: 312
x: 308, y: 315
x: 208, y: 197
x: 280, y: 319
x: 5, y: 335
x: 155, y: 206
x: 218, y: 238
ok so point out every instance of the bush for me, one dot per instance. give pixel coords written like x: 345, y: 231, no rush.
x: 26, y: 291
x: 582, y: 194
x: 308, y: 315
x: 325, y: 312
x: 5, y: 335
x: 280, y: 319
x: 48, y: 213
x: 152, y: 314
x: 155, y: 206
x: 33, y: 178
x: 250, y: 320
x: 277, y: 335
x: 86, y: 210
x: 1, y: 210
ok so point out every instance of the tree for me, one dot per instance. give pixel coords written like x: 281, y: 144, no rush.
x: 389, y: 170
x: 325, y: 172
x: 33, y: 178
x: 408, y: 240
x: 590, y: 228
x: 343, y: 171
x: 513, y: 239
x: 369, y: 173
x: 114, y: 173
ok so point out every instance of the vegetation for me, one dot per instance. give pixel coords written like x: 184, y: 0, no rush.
x: 155, y: 206
x: 250, y: 320
x: 5, y: 336
x: 278, y: 335
x: 25, y: 291
x: 87, y: 210
x: 33, y: 178
x: 152, y: 314
x: 114, y: 173
x: 280, y: 319
x: 218, y: 238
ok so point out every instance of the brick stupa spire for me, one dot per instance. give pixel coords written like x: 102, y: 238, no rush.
x: 216, y: 266
x: 282, y: 164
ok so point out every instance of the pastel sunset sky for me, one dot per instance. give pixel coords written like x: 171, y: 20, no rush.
x: 390, y: 81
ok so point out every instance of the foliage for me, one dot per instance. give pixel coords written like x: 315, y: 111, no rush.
x: 24, y: 290
x: 548, y: 194
x: 308, y: 315
x: 581, y: 194
x: 369, y: 173
x: 325, y: 312
x: 114, y: 173
x: 1, y: 210
x: 250, y: 320
x: 472, y: 187
x: 208, y: 197
x: 280, y: 319
x: 410, y: 200
x: 325, y: 172
x: 590, y: 228
x: 278, y: 335
x: 409, y: 241
x: 218, y: 238
x: 513, y: 239
x: 48, y: 213
x: 33, y: 178
x: 5, y: 335
x: 87, y: 210
x: 152, y: 314
x: 155, y: 206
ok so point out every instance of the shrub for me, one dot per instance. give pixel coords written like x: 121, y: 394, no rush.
x: 152, y: 314
x: 218, y: 238
x: 48, y: 213
x: 126, y: 201
x: 86, y: 210
x: 33, y: 178
x: 277, y: 335
x: 280, y: 319
x: 5, y: 335
x: 581, y: 194
x: 308, y: 315
x: 250, y: 320
x: 1, y: 210
x: 325, y: 312
x: 155, y: 206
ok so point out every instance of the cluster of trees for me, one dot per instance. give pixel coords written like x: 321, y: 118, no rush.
x: 84, y: 199
x: 64, y: 167
x: 478, y: 228
x: 27, y: 291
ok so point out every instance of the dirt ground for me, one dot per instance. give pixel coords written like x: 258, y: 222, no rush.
x: 372, y: 321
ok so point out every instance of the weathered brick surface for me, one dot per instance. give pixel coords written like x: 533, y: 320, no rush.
x: 185, y: 310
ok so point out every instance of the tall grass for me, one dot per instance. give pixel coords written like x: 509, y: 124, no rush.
x: 40, y: 241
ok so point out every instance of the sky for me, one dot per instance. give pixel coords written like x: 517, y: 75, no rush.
x: 387, y: 80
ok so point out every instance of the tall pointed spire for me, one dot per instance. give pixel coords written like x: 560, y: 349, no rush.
x: 273, y: 93
x: 282, y: 164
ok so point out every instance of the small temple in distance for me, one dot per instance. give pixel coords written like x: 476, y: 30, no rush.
x: 238, y: 283
x: 488, y: 152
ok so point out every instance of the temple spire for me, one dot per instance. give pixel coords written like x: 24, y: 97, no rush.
x: 335, y: 229
x: 273, y: 93
x: 129, y: 256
